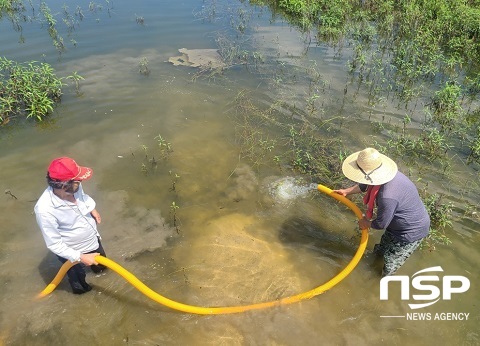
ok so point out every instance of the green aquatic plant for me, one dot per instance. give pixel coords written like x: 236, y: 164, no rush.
x: 145, y: 150
x: 14, y: 10
x: 408, y: 52
x: 94, y: 7
x: 474, y: 146
x: 75, y: 77
x: 52, y: 28
x: 31, y: 89
x: 414, y: 147
x: 79, y: 13
x: 440, y: 221
x: 266, y: 137
x: 140, y: 20
x: 144, y: 169
x: 143, y: 67
x: 173, y: 209
x: 446, y: 106
x: 175, y: 178
x: 164, y: 146
x: 150, y: 162
x: 252, y: 123
x: 316, y: 156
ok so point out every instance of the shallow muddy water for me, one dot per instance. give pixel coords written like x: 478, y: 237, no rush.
x: 234, y: 240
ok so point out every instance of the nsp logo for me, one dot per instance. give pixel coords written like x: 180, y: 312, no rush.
x: 449, y: 285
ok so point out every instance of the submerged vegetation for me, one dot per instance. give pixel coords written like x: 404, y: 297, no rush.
x: 440, y: 220
x: 19, y: 12
x: 301, y: 148
x: 419, y: 52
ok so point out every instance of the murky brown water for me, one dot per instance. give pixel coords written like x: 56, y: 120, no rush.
x: 233, y: 243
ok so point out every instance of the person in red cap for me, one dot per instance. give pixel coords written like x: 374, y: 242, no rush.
x: 68, y: 220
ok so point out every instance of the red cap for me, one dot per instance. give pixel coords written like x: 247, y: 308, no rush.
x: 65, y: 168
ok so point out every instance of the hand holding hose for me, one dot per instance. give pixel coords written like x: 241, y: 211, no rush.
x: 364, y: 223
x: 349, y: 190
x: 89, y: 258
x: 341, y: 192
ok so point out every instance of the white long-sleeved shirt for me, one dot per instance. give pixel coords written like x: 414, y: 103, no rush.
x: 68, y: 228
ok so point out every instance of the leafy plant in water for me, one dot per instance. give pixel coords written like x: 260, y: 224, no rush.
x: 76, y: 78
x: 143, y: 67
x: 255, y: 144
x: 430, y: 145
x: 299, y: 12
x: 14, y: 10
x: 318, y: 157
x: 175, y: 178
x: 140, y: 20
x: 79, y: 13
x: 145, y: 150
x: 446, y: 106
x: 29, y: 89
x: 68, y: 20
x: 51, y: 24
x: 474, y: 147
x: 440, y: 220
x: 164, y: 146
x: 144, y: 169
x: 407, y: 48
x: 302, y: 147
x: 94, y: 7
x: 173, y: 208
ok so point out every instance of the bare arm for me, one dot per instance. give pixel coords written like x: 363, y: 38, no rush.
x: 349, y: 191
x: 96, y: 215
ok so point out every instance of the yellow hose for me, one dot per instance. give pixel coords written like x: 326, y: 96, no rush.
x: 228, y: 309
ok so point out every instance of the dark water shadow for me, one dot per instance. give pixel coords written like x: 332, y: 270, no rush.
x: 335, y: 248
x: 308, y: 233
x: 48, y: 268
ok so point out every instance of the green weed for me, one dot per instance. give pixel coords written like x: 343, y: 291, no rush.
x: 31, y: 89
x: 440, y: 221
x: 143, y: 67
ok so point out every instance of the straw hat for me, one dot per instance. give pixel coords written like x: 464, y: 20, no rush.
x: 369, y: 167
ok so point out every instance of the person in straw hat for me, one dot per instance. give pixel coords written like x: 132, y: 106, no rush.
x: 68, y: 220
x: 400, y: 211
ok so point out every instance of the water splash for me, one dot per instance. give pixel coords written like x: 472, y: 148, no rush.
x: 289, y: 188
